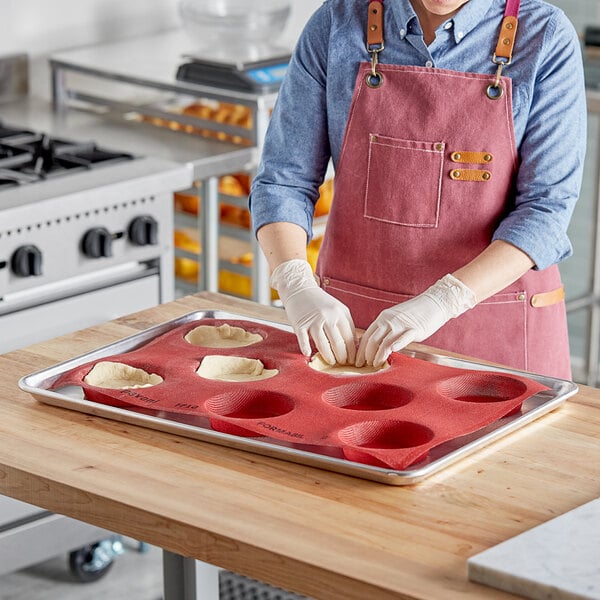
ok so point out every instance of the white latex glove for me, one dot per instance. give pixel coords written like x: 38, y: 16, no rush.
x: 314, y: 313
x: 414, y: 320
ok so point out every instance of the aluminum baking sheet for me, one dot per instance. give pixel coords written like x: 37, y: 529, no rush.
x: 39, y: 385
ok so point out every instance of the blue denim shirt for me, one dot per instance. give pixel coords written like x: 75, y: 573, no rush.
x: 309, y: 119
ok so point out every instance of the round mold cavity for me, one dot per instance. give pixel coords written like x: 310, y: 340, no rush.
x: 386, y: 435
x: 119, y: 376
x: 249, y: 404
x: 221, y: 336
x: 234, y: 368
x: 318, y: 364
x: 365, y: 396
x: 481, y: 387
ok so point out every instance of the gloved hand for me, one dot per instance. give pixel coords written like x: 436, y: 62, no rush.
x: 414, y: 320
x: 314, y: 313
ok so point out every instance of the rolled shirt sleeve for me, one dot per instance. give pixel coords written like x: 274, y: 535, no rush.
x: 296, y: 150
x: 551, y: 152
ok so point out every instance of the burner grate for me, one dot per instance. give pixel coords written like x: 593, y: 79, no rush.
x: 6, y: 132
x: 27, y: 156
x: 13, y: 157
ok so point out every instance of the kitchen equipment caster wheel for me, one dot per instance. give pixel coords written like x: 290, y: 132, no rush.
x: 90, y: 563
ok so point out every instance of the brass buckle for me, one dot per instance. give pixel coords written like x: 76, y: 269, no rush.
x: 495, y: 91
x: 374, y: 77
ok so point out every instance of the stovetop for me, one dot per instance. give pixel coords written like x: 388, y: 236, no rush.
x: 73, y: 210
x: 29, y: 157
x: 38, y: 168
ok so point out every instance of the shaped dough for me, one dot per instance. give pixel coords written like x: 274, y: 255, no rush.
x: 234, y: 368
x: 116, y: 376
x: 223, y: 336
x: 318, y: 364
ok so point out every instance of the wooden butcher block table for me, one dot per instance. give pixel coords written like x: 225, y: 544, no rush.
x: 315, y: 532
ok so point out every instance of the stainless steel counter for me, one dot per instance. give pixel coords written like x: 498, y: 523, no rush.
x: 208, y: 158
x: 152, y: 61
x: 138, y: 76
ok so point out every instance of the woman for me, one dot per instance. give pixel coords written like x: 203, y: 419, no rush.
x: 457, y: 132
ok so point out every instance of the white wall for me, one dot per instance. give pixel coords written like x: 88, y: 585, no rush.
x: 301, y: 11
x: 41, y: 26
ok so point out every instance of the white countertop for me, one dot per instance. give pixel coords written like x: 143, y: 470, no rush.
x: 558, y: 560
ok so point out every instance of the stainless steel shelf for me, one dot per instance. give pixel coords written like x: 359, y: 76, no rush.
x: 124, y: 80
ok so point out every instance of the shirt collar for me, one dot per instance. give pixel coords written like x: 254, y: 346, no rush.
x: 466, y: 19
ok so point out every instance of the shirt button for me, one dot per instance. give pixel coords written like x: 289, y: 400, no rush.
x: 448, y: 25
x: 461, y: 35
x: 402, y: 32
x: 429, y: 64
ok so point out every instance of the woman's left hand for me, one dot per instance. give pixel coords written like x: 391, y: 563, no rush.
x: 414, y: 320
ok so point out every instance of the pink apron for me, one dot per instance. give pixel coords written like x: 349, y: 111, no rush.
x: 426, y: 173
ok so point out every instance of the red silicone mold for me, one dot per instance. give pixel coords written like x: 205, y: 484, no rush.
x: 391, y: 418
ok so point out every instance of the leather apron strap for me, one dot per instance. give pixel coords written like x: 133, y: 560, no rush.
x: 375, y: 43
x: 505, y: 45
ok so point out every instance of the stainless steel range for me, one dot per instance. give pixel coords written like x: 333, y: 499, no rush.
x: 85, y: 234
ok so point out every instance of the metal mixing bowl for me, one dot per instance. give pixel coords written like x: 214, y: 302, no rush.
x: 233, y: 22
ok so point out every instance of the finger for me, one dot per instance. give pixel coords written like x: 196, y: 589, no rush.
x: 362, y: 346
x: 360, y: 353
x: 323, y: 345
x: 386, y: 345
x: 350, y: 350
x: 392, y: 345
x: 373, y: 344
x: 304, y: 342
x: 337, y: 343
x: 370, y: 343
x: 349, y: 334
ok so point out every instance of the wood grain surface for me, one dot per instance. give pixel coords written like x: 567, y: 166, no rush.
x: 322, y: 534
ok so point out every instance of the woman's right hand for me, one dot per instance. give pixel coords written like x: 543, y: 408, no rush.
x: 315, y: 314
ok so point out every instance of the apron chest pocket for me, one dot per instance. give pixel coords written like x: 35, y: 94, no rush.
x: 404, y: 181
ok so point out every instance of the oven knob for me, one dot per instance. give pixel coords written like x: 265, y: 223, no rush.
x: 143, y: 231
x: 27, y: 261
x: 97, y: 243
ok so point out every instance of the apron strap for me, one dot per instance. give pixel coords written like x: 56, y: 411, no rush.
x: 504, y: 47
x: 512, y: 8
x: 375, y: 26
x: 508, y: 31
x: 375, y: 44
